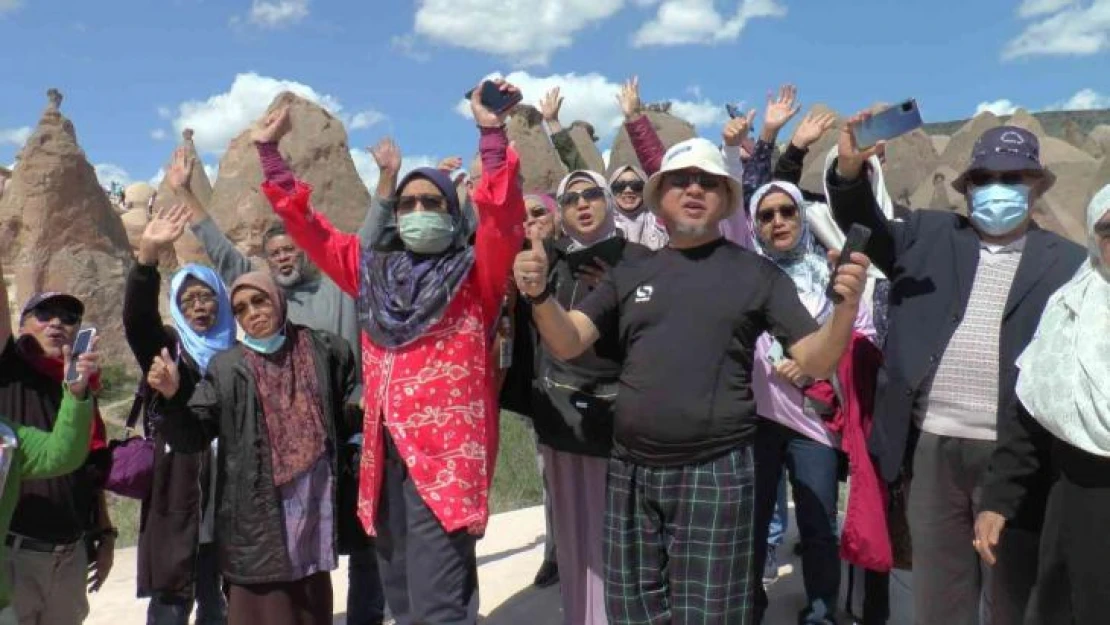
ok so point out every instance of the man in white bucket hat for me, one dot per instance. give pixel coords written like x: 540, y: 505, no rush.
x: 681, y: 486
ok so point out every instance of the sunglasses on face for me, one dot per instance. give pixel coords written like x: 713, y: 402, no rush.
x: 590, y: 195
x: 683, y: 179
x: 983, y: 178
x: 408, y: 203
x: 46, y: 315
x: 1102, y: 229
x: 537, y: 211
x: 636, y: 186
x: 767, y: 215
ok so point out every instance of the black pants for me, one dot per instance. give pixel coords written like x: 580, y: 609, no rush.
x: 210, y: 600
x: 430, y: 576
x: 1073, y: 583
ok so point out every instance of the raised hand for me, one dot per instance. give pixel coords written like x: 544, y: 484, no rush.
x: 87, y: 366
x: 164, y: 376
x: 530, y: 269
x: 165, y: 227
x: 629, y: 98
x: 850, y: 158
x: 387, y: 155
x: 550, y: 106
x: 850, y: 278
x: 738, y: 128
x: 482, y: 115
x: 450, y: 164
x: 782, y: 109
x: 271, y: 128
x: 181, y: 170
x: 811, y: 128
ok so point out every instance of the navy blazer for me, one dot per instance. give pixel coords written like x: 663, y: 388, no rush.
x: 931, y: 258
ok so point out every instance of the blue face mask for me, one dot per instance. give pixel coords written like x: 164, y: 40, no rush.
x: 267, y: 345
x: 998, y: 209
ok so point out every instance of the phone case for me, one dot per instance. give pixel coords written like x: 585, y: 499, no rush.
x: 888, y: 124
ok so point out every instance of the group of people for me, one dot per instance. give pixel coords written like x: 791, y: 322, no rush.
x: 683, y: 336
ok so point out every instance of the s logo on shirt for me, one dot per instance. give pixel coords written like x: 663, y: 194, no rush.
x: 643, y: 293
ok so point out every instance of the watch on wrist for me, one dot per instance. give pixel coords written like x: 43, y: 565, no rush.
x: 541, y: 298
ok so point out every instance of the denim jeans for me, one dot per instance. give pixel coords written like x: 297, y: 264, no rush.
x: 365, y: 599
x: 812, y: 469
x: 210, y: 599
x: 780, y: 520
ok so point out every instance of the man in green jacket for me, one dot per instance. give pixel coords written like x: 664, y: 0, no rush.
x: 29, y: 453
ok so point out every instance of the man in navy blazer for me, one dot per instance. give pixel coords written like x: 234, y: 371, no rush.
x: 966, y: 295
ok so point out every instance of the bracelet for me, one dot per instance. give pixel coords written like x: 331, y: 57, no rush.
x: 541, y: 298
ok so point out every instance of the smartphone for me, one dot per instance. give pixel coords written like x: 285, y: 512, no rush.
x: 733, y: 111
x: 80, y: 345
x: 775, y: 353
x: 857, y: 239
x: 888, y: 124
x: 608, y: 251
x: 495, y: 99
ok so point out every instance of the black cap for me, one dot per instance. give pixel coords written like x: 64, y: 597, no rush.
x: 1006, y: 148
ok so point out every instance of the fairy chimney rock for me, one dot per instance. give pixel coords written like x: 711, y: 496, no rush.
x: 670, y: 128
x: 539, y: 162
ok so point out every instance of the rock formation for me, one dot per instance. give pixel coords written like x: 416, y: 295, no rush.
x: 671, y: 130
x: 317, y: 151
x: 188, y: 248
x: 958, y: 151
x: 1023, y: 119
x: 909, y: 159
x: 5, y: 175
x: 539, y: 162
x: 1098, y: 141
x: 64, y: 234
x: 940, y: 142
x: 936, y: 192
x: 136, y: 203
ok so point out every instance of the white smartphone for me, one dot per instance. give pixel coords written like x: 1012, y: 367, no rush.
x: 80, y: 345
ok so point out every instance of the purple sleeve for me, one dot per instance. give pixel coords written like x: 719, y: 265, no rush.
x: 274, y: 167
x: 492, y: 146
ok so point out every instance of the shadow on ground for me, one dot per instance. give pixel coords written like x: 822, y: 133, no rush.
x: 534, y: 606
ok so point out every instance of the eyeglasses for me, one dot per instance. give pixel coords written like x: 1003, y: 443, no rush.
x: 766, y: 216
x: 683, y: 179
x: 982, y: 178
x: 430, y: 202
x: 1102, y: 229
x: 590, y: 195
x: 190, y: 301
x: 48, y: 314
x: 618, y: 187
x: 537, y: 211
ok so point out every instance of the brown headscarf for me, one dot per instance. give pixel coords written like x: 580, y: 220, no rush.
x: 289, y: 390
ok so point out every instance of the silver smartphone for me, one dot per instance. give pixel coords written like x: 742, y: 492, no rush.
x: 81, y: 344
x: 888, y: 124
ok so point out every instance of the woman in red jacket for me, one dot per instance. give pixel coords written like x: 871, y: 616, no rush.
x: 428, y: 307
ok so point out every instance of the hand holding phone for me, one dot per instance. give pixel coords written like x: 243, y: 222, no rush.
x: 496, y: 96
x: 856, y: 241
x: 890, y: 123
x: 81, y: 345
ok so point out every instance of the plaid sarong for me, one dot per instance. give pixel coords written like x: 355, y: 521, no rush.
x: 678, y: 542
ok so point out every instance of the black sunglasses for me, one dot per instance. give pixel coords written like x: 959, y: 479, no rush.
x: 767, y: 216
x: 618, y: 187
x: 47, y: 314
x: 683, y: 179
x: 537, y: 211
x: 982, y: 178
x: 431, y: 202
x: 571, y: 198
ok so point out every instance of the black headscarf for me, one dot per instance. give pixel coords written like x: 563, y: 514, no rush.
x: 403, y: 293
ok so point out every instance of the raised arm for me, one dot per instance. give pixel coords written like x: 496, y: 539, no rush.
x: 645, y: 141
x: 737, y: 227
x: 818, y: 353
x: 789, y: 166
x: 226, y: 258
x: 338, y: 254
x: 387, y: 155
x: 500, y: 205
x: 550, y: 106
x: 142, y: 322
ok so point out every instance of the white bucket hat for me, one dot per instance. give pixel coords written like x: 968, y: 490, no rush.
x: 696, y: 153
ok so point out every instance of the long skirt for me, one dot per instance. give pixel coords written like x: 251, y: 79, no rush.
x: 307, y: 601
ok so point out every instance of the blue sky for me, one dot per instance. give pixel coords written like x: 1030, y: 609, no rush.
x: 134, y: 72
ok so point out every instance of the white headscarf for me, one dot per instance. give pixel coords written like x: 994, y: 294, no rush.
x: 806, y: 263
x: 1065, y: 371
x: 640, y: 225
x: 608, y: 228
x: 820, y: 216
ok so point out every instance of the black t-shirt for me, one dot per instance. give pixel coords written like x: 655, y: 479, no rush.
x: 688, y: 321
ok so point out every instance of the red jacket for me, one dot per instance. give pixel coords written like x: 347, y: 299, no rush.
x: 436, y: 395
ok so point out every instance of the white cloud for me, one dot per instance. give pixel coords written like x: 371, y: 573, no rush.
x: 159, y: 134
x: 366, y: 119
x: 219, y: 118
x: 15, y: 136
x: 107, y: 173
x: 593, y: 98
x: 998, y: 107
x: 278, y: 13
x: 526, y: 33
x: 1064, y: 28
x: 1083, y: 100
x: 164, y: 112
x: 9, y: 5
x: 682, y: 22
x: 368, y: 170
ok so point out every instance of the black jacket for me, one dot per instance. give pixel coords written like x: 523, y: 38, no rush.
x: 931, y: 258
x: 249, y: 524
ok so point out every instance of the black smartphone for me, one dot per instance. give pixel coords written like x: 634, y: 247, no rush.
x: 733, y: 111
x: 857, y: 238
x: 80, y: 345
x: 608, y: 251
x: 495, y: 99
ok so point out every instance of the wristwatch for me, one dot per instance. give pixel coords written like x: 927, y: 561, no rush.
x: 539, y: 299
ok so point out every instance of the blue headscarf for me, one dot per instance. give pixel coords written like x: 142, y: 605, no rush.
x: 221, y: 336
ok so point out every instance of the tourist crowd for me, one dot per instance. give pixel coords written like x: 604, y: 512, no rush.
x: 687, y: 342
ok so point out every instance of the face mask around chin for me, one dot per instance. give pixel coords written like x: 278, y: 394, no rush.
x: 998, y: 209
x: 426, y: 232
x: 267, y: 345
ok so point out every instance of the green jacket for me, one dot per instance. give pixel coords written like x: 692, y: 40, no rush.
x: 40, y: 455
x: 568, y: 152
